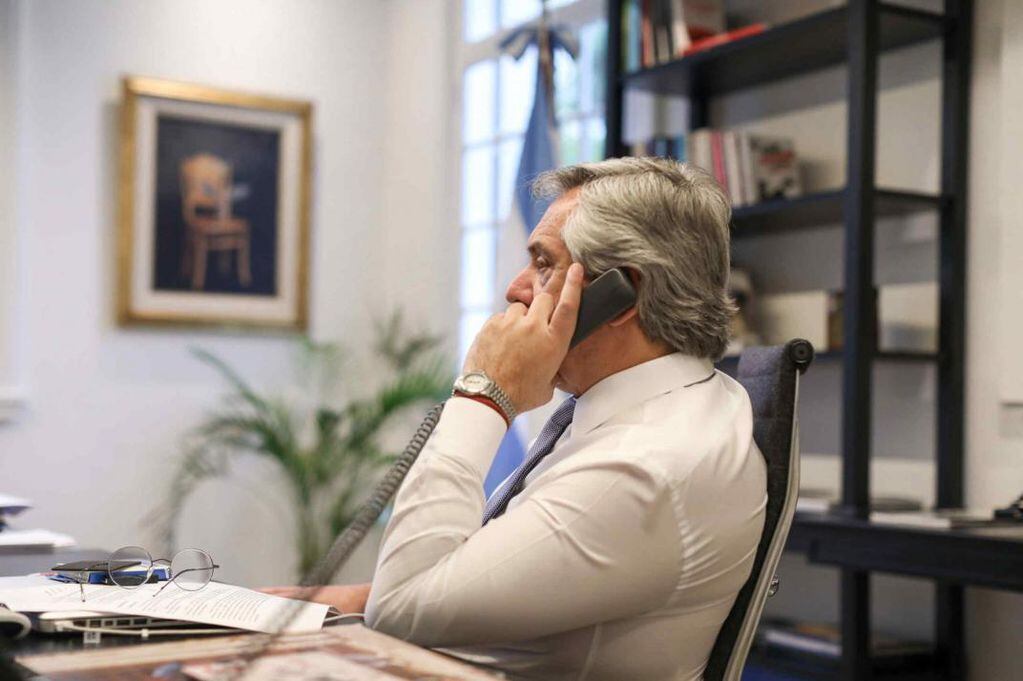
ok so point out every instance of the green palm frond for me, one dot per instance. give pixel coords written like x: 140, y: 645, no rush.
x: 399, y: 349
x: 241, y: 388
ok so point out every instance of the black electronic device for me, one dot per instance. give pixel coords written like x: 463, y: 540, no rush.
x: 607, y: 296
x: 93, y: 565
x: 1013, y: 511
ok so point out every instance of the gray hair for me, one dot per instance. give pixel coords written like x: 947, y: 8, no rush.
x: 669, y: 222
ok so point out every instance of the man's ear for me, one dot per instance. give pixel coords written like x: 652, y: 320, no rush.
x: 635, y: 278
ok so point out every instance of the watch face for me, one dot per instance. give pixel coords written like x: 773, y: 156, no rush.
x: 475, y: 382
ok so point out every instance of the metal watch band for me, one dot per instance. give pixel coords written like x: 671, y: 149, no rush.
x: 495, y: 393
x: 490, y: 390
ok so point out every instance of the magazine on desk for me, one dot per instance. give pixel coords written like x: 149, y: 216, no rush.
x: 217, y: 604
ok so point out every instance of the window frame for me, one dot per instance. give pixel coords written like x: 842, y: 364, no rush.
x: 578, y: 13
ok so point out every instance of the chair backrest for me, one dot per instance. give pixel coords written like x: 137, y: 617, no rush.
x: 205, y: 186
x: 771, y: 377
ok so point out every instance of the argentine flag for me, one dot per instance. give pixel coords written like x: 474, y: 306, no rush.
x: 539, y: 153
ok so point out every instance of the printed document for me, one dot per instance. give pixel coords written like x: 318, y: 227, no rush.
x: 218, y: 604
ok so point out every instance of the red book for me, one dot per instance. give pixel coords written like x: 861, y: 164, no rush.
x: 649, y: 58
x: 722, y: 38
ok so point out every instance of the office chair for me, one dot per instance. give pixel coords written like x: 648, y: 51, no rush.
x: 771, y: 377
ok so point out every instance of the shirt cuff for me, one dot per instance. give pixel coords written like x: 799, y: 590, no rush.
x: 471, y: 432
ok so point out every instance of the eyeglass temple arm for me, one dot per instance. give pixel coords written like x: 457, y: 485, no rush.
x: 85, y: 572
x: 168, y: 582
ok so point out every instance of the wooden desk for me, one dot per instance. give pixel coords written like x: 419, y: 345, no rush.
x: 125, y: 657
x: 362, y: 652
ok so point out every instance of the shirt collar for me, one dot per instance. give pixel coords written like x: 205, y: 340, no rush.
x: 637, y: 384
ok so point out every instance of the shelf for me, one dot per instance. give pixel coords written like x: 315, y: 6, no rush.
x: 816, y: 42
x: 808, y: 667
x: 979, y: 556
x: 730, y: 364
x: 824, y: 208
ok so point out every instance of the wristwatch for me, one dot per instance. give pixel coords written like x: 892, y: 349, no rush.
x: 478, y: 384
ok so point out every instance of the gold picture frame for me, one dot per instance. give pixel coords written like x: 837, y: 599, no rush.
x: 213, y: 175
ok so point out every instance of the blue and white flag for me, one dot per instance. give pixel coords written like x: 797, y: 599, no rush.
x: 539, y: 154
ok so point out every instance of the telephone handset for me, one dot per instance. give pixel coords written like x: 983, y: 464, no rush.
x: 605, y: 298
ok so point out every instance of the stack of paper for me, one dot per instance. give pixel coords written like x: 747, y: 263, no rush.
x: 12, y: 506
x: 12, y: 540
x: 217, y: 604
x: 38, y: 540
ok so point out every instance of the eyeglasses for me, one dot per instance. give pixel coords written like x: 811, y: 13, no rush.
x: 132, y: 566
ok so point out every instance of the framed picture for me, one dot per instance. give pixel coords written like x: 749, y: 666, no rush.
x: 214, y: 207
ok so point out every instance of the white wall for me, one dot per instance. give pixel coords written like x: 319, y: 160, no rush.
x: 994, y: 464
x: 10, y: 391
x: 109, y: 405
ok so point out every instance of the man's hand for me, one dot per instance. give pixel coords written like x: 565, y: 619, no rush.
x: 349, y: 598
x: 521, y: 349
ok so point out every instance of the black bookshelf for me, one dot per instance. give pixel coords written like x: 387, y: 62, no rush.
x: 856, y: 35
x: 816, y: 42
x: 824, y: 208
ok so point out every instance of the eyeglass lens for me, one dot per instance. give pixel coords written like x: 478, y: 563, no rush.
x: 192, y: 569
x: 130, y: 566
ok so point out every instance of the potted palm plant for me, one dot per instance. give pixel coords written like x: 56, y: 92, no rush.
x: 328, y: 449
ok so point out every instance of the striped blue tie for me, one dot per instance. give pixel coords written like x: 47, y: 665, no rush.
x: 550, y: 433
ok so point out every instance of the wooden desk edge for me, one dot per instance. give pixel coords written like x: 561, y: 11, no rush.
x: 399, y: 653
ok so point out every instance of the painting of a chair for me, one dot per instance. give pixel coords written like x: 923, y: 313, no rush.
x: 206, y: 204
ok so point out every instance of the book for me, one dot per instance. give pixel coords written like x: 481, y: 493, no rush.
x: 217, y: 603
x: 717, y: 148
x: 698, y: 149
x: 943, y: 519
x: 712, y: 41
x: 814, y: 500
x: 824, y: 640
x: 662, y: 31
x: 749, y: 167
x: 632, y: 28
x: 703, y: 18
x: 679, y: 30
x: 733, y: 168
x: 775, y: 168
x: 749, y: 189
x: 647, y: 35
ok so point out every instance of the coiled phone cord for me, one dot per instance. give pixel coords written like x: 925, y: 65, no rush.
x: 367, y: 515
x: 349, y: 538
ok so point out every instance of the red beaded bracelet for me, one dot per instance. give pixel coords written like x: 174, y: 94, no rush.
x: 483, y: 399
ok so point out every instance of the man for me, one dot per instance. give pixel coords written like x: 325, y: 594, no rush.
x: 637, y: 515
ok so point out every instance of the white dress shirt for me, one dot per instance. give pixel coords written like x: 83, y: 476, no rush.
x: 621, y: 557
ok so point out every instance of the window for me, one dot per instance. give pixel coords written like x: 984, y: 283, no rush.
x: 497, y: 96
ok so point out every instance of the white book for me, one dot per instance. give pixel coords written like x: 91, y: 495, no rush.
x: 938, y: 520
x: 700, y: 151
x: 733, y: 168
x: 679, y: 30
x: 749, y: 185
